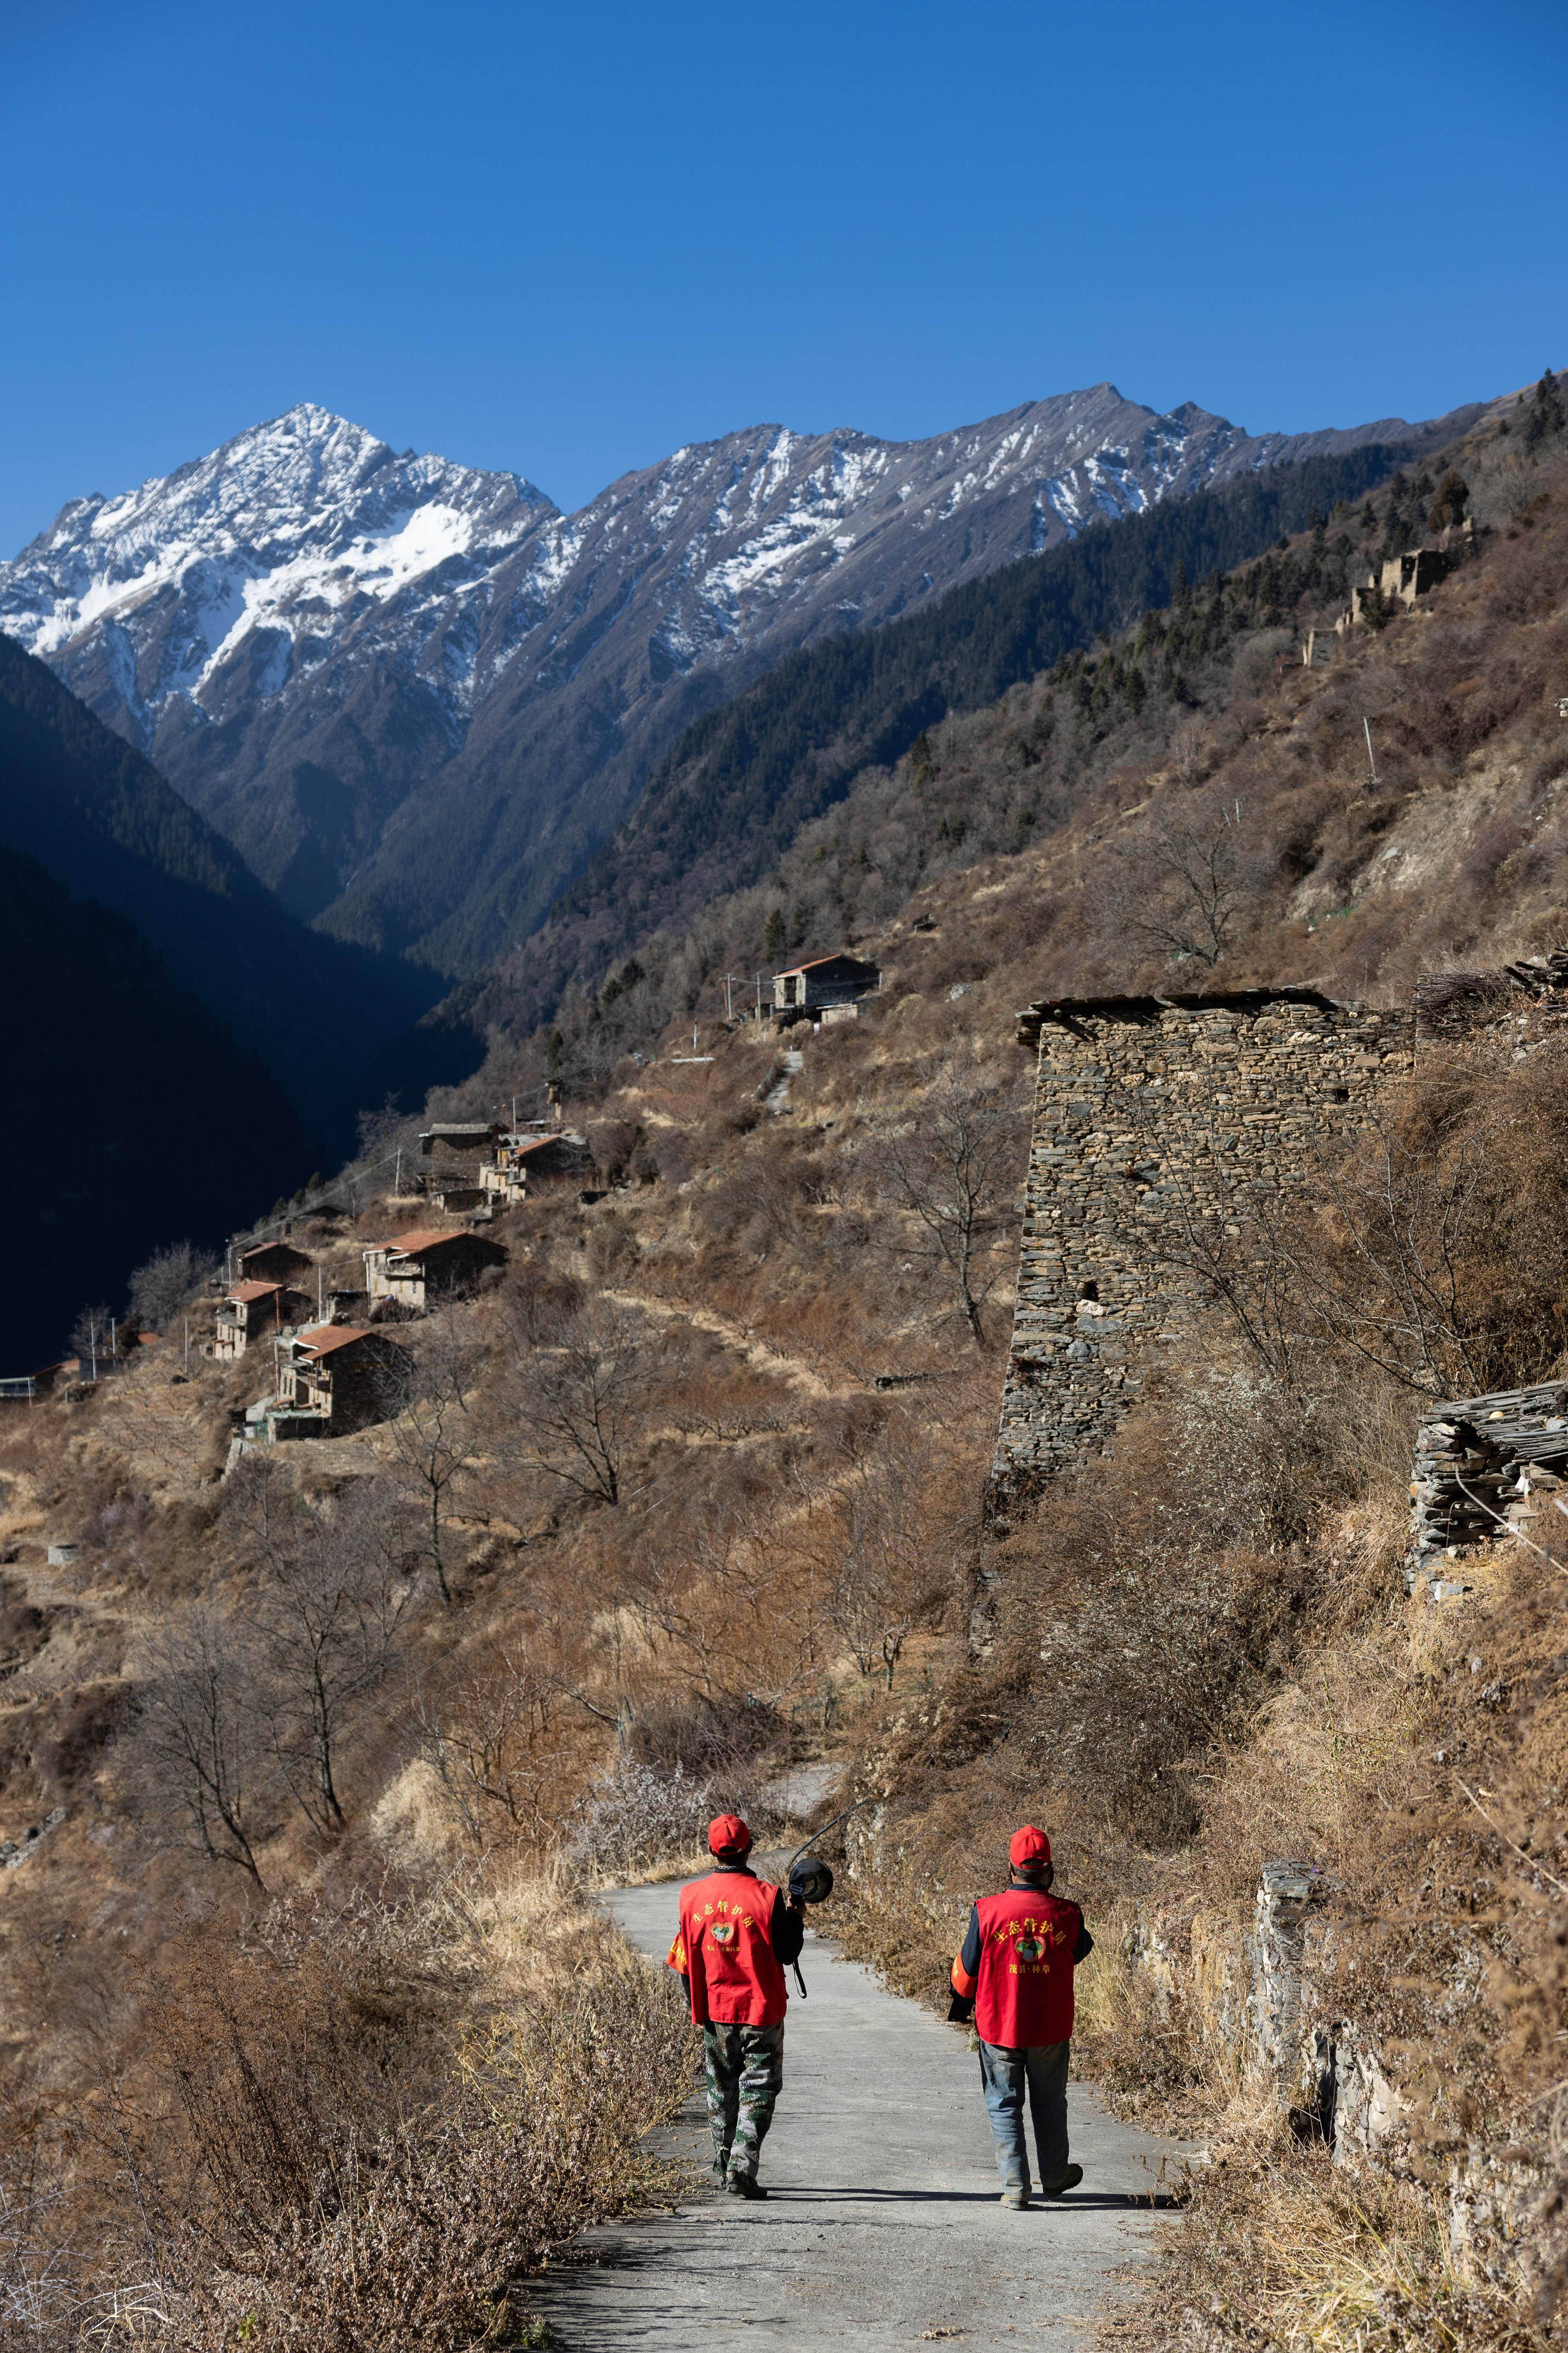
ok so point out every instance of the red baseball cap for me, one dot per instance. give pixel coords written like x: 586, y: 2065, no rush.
x: 728, y: 1834
x: 1029, y: 1845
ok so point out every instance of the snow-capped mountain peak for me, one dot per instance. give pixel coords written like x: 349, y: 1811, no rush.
x: 291, y: 526
x: 402, y: 685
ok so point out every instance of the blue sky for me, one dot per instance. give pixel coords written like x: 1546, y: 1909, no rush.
x: 568, y: 239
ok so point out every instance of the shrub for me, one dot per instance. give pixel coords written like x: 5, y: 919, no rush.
x: 168, y: 1282
x: 353, y: 2131
x: 642, y: 1818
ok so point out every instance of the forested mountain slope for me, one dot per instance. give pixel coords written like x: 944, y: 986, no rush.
x: 417, y: 697
x: 318, y: 1014
x: 739, y: 784
x: 1104, y: 787
x: 136, y: 1120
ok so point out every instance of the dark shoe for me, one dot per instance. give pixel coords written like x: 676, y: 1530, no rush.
x: 1070, y: 2181
x: 720, y: 2169
x: 743, y: 2185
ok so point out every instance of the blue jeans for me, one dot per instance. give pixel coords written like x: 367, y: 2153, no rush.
x: 1041, y: 2073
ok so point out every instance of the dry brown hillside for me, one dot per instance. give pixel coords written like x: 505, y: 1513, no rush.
x: 688, y: 1538
x: 691, y: 1494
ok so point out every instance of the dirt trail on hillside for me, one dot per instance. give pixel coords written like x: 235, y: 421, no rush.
x: 883, y: 2225
x: 760, y: 1354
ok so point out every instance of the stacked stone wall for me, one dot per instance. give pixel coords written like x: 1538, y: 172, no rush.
x: 1486, y: 1468
x: 1154, y: 1119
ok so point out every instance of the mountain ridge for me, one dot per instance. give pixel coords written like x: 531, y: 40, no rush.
x: 416, y: 696
x: 738, y: 783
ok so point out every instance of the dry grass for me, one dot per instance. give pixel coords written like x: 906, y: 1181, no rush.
x: 346, y: 2128
x: 1280, y: 2247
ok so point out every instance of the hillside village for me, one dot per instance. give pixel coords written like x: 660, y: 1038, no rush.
x: 995, y: 1366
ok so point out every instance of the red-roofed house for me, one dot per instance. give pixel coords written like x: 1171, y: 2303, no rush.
x: 416, y: 1268
x: 333, y: 1379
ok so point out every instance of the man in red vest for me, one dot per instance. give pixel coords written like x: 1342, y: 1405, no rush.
x: 737, y: 1933
x: 1014, y: 1973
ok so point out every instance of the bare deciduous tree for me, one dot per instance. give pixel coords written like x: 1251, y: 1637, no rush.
x: 164, y: 1283
x: 485, y: 1734
x: 582, y: 1381
x: 871, y: 1596
x: 1182, y: 881
x: 955, y: 1171
x: 697, y: 1587
x: 201, y: 1729
x: 333, y: 1595
x: 1246, y: 1264
x: 1387, y: 1278
x: 431, y: 1424
x: 867, y: 1539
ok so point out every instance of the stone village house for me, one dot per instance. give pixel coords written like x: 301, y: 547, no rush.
x: 249, y: 1311
x: 331, y: 1379
x: 828, y: 987
x: 414, y: 1269
x: 455, y: 1186
x: 526, y: 1160
x: 459, y: 1135
x: 1155, y: 1119
x: 1152, y: 1114
x: 277, y: 1262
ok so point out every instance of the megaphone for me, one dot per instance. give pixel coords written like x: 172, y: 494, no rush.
x: 810, y: 1880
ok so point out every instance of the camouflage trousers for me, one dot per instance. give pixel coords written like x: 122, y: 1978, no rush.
x: 745, y: 2075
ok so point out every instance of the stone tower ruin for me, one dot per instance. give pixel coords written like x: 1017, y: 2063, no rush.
x: 1155, y: 1117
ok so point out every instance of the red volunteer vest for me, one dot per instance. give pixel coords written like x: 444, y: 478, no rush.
x: 725, y: 1947
x: 1023, y: 1992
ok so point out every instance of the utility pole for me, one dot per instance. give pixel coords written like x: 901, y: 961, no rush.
x: 1370, y: 758
x: 318, y: 1295
x: 397, y: 1180
x: 187, y: 1325
x: 732, y: 980
x: 759, y: 1000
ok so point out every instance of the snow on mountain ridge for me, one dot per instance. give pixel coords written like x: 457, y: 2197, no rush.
x: 403, y: 686
x: 294, y: 524
x: 305, y: 515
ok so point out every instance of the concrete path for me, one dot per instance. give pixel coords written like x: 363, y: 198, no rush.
x: 882, y: 2227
